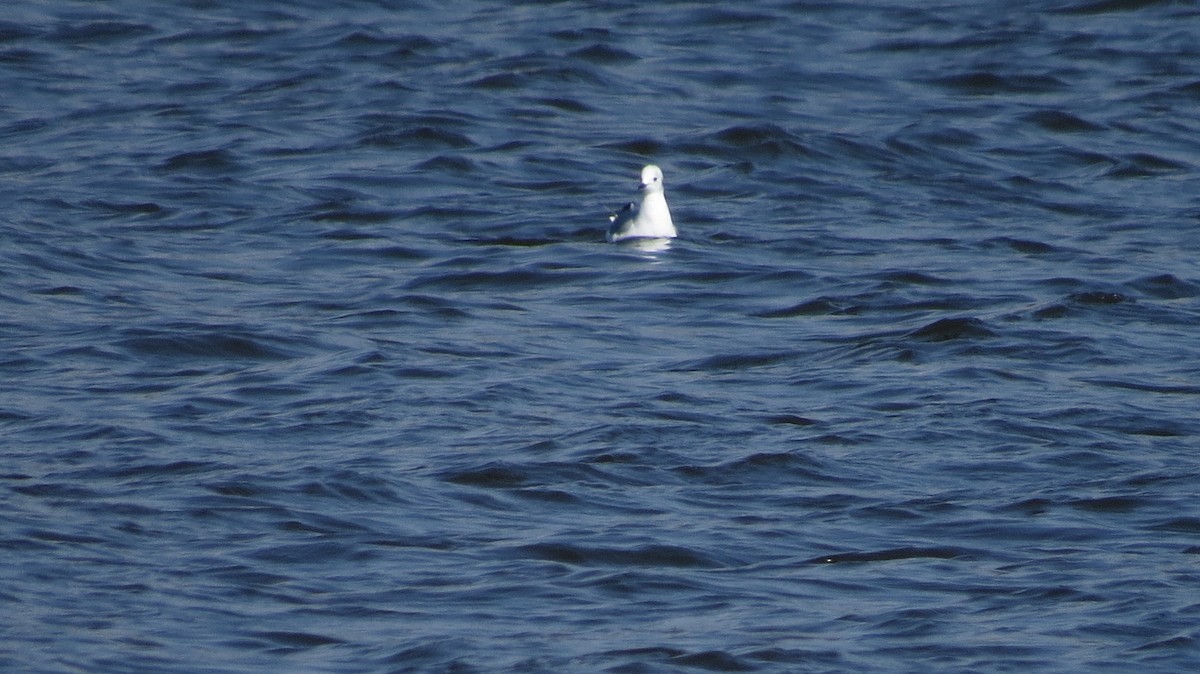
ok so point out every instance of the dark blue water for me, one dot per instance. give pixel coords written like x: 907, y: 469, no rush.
x: 313, y: 357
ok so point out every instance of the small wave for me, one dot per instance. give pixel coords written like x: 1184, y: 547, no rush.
x: 206, y: 344
x: 913, y: 278
x: 1098, y: 298
x: 490, y: 477
x: 1025, y: 246
x: 822, y: 306
x: 946, y: 329
x: 127, y: 208
x: 1145, y: 165
x: 25, y: 57
x: 410, y: 46
x: 764, y: 141
x: 57, y: 490
x: 604, y: 53
x: 1164, y: 388
x: 1166, y: 287
x: 318, y: 552
x: 642, y: 147
x: 1058, y: 121
x: 1185, y: 525
x: 415, y: 138
x: 100, y: 31
x: 496, y: 280
x: 350, y: 215
x: 566, y: 104
x: 53, y: 536
x: 531, y: 73
x: 756, y: 467
x: 713, y: 661
x: 1113, y: 6
x: 741, y: 361
x: 445, y: 213
x: 11, y: 31
x: 989, y: 83
x: 297, y: 640
x: 656, y: 555
x: 790, y: 420
x: 202, y: 161
x: 149, y: 472
x: 448, y: 164
x: 892, y: 555
x: 1109, y: 504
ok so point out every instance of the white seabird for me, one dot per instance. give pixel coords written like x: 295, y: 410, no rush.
x: 650, y: 219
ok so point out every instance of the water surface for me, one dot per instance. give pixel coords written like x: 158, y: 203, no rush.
x: 313, y: 356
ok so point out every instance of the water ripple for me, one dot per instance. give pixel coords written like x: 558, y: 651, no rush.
x: 314, y: 357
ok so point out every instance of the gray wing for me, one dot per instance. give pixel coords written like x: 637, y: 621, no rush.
x: 621, y: 220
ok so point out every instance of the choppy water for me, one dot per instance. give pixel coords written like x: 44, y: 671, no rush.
x: 313, y: 358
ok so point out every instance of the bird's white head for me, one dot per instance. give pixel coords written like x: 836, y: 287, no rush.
x: 652, y: 179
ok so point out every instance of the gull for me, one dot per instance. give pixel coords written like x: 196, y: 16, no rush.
x: 650, y: 219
